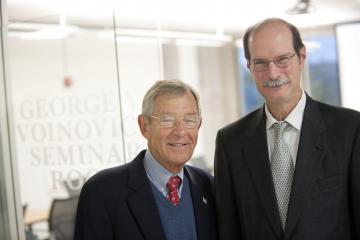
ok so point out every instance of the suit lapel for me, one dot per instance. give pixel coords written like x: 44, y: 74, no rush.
x: 199, y: 200
x: 142, y: 202
x: 311, y: 150
x: 256, y: 155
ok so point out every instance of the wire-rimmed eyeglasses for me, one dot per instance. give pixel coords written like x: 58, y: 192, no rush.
x: 281, y: 62
x: 169, y: 121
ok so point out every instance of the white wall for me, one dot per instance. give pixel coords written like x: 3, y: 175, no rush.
x: 348, y: 37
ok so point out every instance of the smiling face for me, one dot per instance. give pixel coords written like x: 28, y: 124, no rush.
x: 171, y: 147
x: 274, y: 41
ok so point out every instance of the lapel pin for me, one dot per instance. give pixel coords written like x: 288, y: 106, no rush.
x: 204, y: 200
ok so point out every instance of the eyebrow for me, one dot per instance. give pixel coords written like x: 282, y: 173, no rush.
x: 279, y: 56
x: 173, y: 114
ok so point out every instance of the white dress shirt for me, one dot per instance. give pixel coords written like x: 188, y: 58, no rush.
x: 292, y: 134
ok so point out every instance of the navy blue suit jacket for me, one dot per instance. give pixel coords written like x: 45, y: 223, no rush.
x: 118, y: 203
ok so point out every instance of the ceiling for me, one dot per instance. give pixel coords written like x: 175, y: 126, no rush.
x: 226, y: 16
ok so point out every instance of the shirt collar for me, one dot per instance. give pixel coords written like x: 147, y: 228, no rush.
x: 158, y: 175
x: 294, y: 118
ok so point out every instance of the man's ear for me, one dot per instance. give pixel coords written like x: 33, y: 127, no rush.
x: 200, y: 124
x: 303, y: 54
x: 302, y: 57
x: 143, y: 125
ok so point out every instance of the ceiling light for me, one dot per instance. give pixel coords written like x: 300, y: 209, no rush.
x: 301, y: 7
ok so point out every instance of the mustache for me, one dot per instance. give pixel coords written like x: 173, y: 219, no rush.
x: 275, y: 82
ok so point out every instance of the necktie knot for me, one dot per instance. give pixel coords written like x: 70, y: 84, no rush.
x: 173, y: 185
x: 280, y: 128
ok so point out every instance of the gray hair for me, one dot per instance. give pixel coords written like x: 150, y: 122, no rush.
x: 162, y: 87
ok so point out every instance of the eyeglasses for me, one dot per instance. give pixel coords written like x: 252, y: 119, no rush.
x: 281, y: 62
x: 168, y: 121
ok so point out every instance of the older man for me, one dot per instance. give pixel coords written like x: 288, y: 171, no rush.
x: 154, y: 197
x: 291, y: 169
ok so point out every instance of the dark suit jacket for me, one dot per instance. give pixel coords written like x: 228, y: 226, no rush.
x: 325, y: 199
x: 118, y: 203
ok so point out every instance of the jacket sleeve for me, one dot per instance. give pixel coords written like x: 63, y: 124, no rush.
x: 229, y: 225
x: 355, y: 186
x: 92, y: 217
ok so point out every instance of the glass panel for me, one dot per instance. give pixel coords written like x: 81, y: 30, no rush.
x: 323, y: 69
x: 77, y: 85
x: 348, y: 38
x: 251, y: 98
x: 66, y: 108
x: 11, y: 224
x: 140, y: 64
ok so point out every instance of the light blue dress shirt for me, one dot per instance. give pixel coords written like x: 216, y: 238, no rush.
x: 159, y: 175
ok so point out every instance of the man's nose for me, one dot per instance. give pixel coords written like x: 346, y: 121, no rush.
x: 179, y: 126
x: 273, y: 71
